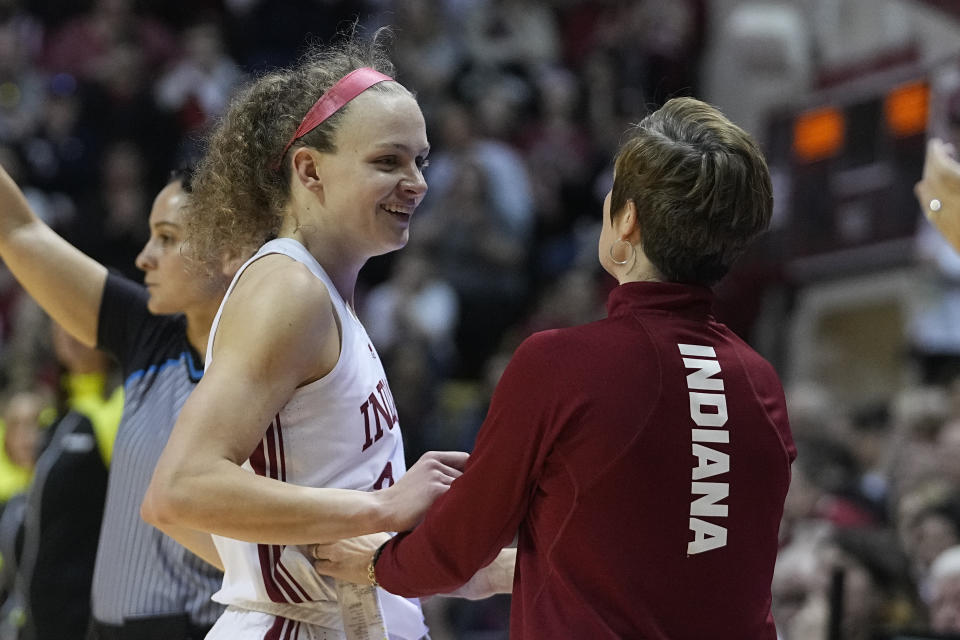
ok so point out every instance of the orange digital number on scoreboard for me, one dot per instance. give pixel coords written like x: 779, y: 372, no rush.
x: 818, y: 134
x: 905, y: 109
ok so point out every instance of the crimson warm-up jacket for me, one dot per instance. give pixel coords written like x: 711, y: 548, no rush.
x: 643, y: 459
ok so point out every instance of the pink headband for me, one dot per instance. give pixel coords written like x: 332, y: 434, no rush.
x: 343, y: 91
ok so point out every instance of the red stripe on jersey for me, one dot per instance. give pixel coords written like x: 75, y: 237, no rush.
x: 291, y: 582
x: 273, y: 633
x: 281, y: 581
x: 267, y: 461
x: 304, y: 596
x: 280, y: 452
x: 266, y: 573
x: 266, y: 553
x: 278, y: 587
x: 293, y: 631
x: 257, y: 460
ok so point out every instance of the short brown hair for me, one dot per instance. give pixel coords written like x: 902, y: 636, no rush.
x: 701, y: 188
x: 238, y: 191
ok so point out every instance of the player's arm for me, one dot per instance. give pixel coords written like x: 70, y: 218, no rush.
x: 63, y: 280
x: 270, y: 341
x: 198, y: 542
x: 496, y: 577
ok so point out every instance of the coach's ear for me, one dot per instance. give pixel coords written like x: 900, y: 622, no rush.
x: 627, y: 225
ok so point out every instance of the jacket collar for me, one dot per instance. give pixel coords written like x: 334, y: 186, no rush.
x: 660, y: 297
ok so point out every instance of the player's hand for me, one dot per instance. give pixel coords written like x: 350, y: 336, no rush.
x: 938, y: 192
x: 347, y: 559
x: 407, y: 500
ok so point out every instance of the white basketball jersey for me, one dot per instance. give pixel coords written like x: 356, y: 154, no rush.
x: 339, y: 431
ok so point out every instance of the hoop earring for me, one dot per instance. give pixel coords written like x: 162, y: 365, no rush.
x: 630, y: 258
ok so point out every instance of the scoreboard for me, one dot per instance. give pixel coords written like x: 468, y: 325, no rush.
x: 844, y: 165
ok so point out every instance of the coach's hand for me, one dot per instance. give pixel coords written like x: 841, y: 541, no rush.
x: 347, y: 559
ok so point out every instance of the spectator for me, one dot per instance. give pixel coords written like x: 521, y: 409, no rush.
x: 512, y: 35
x: 428, y: 52
x: 945, y: 592
x: 63, y: 155
x: 65, y: 501
x: 22, y: 86
x: 24, y: 414
x: 121, y: 107
x: 560, y: 155
x: 199, y: 85
x: 929, y: 531
x: 876, y: 597
x: 84, y: 45
x: 114, y: 226
x: 483, y: 186
x: 414, y: 306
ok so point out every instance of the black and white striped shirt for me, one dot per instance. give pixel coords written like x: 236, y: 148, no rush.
x: 139, y: 570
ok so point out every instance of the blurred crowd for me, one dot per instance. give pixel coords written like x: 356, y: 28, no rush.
x: 871, y: 529
x: 525, y: 101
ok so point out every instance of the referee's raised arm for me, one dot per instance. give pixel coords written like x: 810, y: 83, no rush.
x: 63, y: 280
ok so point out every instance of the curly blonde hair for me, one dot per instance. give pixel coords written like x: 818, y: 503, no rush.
x: 238, y: 191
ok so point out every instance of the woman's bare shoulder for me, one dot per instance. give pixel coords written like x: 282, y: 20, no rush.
x: 278, y: 309
x: 280, y: 280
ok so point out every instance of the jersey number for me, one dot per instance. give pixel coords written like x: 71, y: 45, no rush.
x: 385, y: 479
